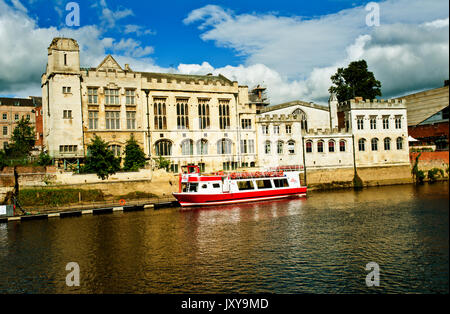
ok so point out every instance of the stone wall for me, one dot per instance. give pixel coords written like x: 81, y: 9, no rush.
x: 430, y: 160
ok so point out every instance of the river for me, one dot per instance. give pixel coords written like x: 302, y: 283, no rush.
x: 320, y: 244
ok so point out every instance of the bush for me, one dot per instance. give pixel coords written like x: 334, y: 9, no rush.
x: 420, y: 176
x: 44, y: 159
x: 432, y: 174
x: 57, y: 197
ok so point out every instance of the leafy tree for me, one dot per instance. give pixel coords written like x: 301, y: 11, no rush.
x: 2, y: 159
x: 100, y: 159
x: 134, y: 155
x: 22, y: 140
x: 355, y: 81
x: 162, y: 163
x: 44, y: 159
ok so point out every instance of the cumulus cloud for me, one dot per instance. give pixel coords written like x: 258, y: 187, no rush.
x: 407, y: 52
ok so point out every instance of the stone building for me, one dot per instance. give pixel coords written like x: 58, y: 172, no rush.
x: 202, y: 119
x: 11, y: 111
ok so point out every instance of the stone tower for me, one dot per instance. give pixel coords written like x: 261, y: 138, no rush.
x: 61, y: 101
x: 332, y: 105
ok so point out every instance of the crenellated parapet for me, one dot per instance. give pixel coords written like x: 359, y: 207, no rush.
x: 275, y: 118
x: 359, y: 103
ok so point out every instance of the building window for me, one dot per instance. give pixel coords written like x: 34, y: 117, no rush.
x: 246, y: 124
x: 67, y: 114
x: 66, y: 89
x: 93, y: 120
x: 224, y: 114
x: 187, y: 147
x: 159, y: 111
x: 320, y: 146
x: 92, y: 95
x: 342, y: 146
x: 267, y: 147
x: 203, y: 114
x: 288, y: 129
x: 398, y: 122
x: 362, y: 145
x: 244, y: 147
x: 399, y: 143
x: 387, y: 143
x: 302, y: 114
x: 251, y: 146
x: 129, y: 97
x: 202, y: 147
x: 331, y: 146
x: 5, y: 130
x: 280, y: 147
x: 112, y: 120
x: 131, y: 120
x: 374, y: 143
x: 385, y: 122
x: 182, y: 114
x: 265, y: 129
x: 115, y: 149
x: 16, y: 116
x: 5, y: 116
x: 163, y: 148
x: 373, y: 123
x: 291, y: 147
x: 67, y: 148
x: 111, y: 96
x: 5, y: 145
x: 309, y: 147
x: 224, y: 146
x: 65, y: 59
x: 276, y: 129
x: 360, y: 122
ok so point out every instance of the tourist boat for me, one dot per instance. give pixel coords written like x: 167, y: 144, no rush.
x: 196, y: 189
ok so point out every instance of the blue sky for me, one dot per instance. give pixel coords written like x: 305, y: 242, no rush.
x: 292, y: 47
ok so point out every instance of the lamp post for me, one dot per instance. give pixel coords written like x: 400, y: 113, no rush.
x: 149, y: 139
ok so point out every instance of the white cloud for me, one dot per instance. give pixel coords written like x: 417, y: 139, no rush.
x: 299, y: 55
x: 138, y: 30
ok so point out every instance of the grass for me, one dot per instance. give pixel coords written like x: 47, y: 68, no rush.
x: 57, y: 197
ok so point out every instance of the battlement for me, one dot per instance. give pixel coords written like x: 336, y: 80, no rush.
x: 359, y: 103
x: 326, y: 132
x: 275, y: 118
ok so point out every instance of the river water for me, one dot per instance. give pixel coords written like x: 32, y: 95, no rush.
x: 320, y: 244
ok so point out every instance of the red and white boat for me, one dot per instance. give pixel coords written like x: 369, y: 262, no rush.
x: 197, y: 189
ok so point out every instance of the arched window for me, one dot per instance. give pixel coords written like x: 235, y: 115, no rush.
x: 224, y: 146
x: 115, y: 149
x: 280, y: 147
x: 163, y: 148
x: 362, y: 144
x: 302, y: 114
x: 187, y: 147
x: 182, y: 114
x: 202, y: 147
x: 387, y: 143
x: 399, y: 143
x: 203, y: 114
x: 331, y: 146
x: 342, y: 146
x: 320, y: 146
x: 308, y: 146
x: 267, y: 147
x: 291, y: 146
x: 374, y: 143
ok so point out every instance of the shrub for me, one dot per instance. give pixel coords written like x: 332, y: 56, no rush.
x: 57, y: 197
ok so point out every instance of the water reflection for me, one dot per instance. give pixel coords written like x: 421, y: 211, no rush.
x: 316, y: 245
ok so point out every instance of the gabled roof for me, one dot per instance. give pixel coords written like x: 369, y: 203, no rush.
x: 109, y: 63
x: 294, y: 103
x: 21, y: 102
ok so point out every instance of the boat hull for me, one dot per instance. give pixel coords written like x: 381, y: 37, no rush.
x: 196, y: 199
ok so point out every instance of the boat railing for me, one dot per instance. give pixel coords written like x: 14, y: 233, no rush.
x: 287, y: 168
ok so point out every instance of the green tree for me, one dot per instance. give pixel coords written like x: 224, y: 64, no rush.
x: 355, y: 81
x: 22, y: 139
x: 44, y: 159
x: 100, y: 159
x: 134, y: 155
x: 162, y: 163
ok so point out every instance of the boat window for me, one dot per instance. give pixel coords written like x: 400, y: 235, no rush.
x: 193, y: 187
x: 184, y: 187
x: 245, y: 185
x: 281, y: 183
x: 263, y: 184
x: 216, y: 185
